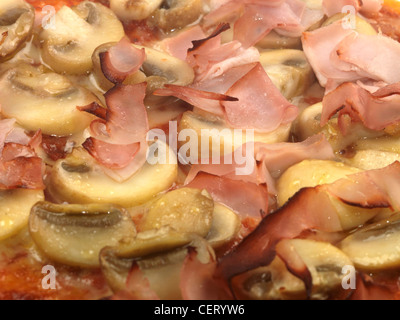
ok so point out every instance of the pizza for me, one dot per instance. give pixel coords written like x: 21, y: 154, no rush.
x: 199, y: 149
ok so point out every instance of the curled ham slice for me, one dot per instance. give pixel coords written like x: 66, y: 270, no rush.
x: 261, y: 106
x: 19, y: 165
x: 340, y: 55
x: 245, y: 198
x: 303, y: 212
x: 209, y: 58
x: 370, y: 289
x: 118, y: 140
x: 121, y: 60
x: 178, y: 45
x: 375, y: 110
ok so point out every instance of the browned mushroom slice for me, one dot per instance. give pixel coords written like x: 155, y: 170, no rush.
x: 78, y: 31
x: 16, y: 23
x: 128, y: 10
x: 176, y: 14
x: 75, y: 234
x: 324, y: 262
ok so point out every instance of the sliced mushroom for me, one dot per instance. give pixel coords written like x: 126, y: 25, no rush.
x: 44, y: 100
x: 289, y: 70
x: 205, y: 125
x: 276, y: 41
x: 78, y: 31
x: 186, y: 210
x: 310, y: 173
x: 176, y: 14
x: 116, y: 262
x: 225, y: 226
x: 158, y: 69
x: 15, y: 206
x: 324, y: 262
x: 308, y: 123
x: 128, y: 10
x: 16, y: 23
x: 372, y: 159
x: 362, y: 25
x: 375, y: 247
x: 75, y: 234
x: 77, y: 179
x: 160, y: 257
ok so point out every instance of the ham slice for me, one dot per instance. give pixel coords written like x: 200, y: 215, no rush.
x: 261, y: 106
x: 375, y: 110
x: 20, y: 167
x: 303, y: 212
x: 118, y: 140
x: 121, y: 60
x: 340, y: 55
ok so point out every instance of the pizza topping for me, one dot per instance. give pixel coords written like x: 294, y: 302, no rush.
x: 225, y: 226
x: 245, y: 198
x: 333, y: 7
x: 318, y: 263
x: 375, y: 110
x: 176, y: 14
x: 40, y: 99
x: 134, y: 10
x: 371, y: 247
x: 121, y: 60
x: 16, y: 23
x: 186, y: 210
x: 75, y: 234
x: 78, y: 31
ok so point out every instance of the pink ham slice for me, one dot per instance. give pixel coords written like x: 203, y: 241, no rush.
x: 261, y: 106
x: 118, y: 139
x: 375, y: 110
x: 121, y: 60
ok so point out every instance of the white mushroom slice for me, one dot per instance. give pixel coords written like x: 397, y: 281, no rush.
x: 128, y: 10
x: 44, y: 100
x: 375, y: 247
x: 75, y: 234
x: 308, y: 123
x: 16, y: 23
x: 78, y: 32
x: 310, y: 173
x: 160, y: 262
x: 15, y: 206
x: 289, y: 70
x: 372, y: 159
x: 205, y: 126
x: 77, y: 179
x: 186, y: 210
x: 324, y: 261
x: 276, y: 41
x: 117, y: 261
x: 225, y: 226
x: 362, y: 25
x: 176, y: 14
x: 158, y: 69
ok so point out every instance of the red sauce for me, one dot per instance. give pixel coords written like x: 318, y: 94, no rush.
x: 141, y: 32
x: 38, y: 4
